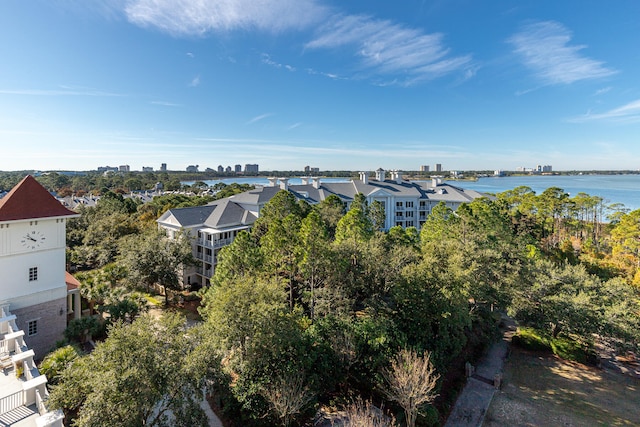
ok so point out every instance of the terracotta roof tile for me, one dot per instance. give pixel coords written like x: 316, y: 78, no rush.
x: 29, y: 199
x: 72, y: 282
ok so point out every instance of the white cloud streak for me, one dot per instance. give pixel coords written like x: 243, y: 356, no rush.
x: 544, y: 47
x: 628, y: 113
x: 258, y: 118
x: 381, y: 47
x: 387, y: 48
x: 199, y: 17
x: 266, y: 59
x: 166, y: 104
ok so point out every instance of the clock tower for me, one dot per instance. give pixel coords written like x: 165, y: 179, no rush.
x: 32, y: 262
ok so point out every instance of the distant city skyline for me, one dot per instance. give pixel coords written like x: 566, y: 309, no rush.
x: 471, y: 85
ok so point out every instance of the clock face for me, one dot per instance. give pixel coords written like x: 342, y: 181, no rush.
x: 32, y: 239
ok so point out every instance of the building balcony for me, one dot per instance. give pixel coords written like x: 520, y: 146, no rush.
x: 206, y: 258
x: 215, y: 244
x: 205, y: 272
x: 23, y: 391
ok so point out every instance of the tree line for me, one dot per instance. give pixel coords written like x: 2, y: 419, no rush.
x: 315, y: 307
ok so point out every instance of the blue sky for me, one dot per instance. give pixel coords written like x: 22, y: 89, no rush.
x: 356, y: 85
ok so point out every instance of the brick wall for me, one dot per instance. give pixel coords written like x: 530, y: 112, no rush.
x: 50, y: 324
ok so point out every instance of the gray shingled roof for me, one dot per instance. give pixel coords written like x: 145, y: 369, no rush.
x: 217, y: 214
x: 257, y: 196
x: 234, y: 210
x: 347, y: 191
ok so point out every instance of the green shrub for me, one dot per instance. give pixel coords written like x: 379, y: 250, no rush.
x: 430, y: 417
x: 57, y: 361
x: 565, y: 347
x: 79, y: 330
x: 531, y: 339
x: 191, y: 296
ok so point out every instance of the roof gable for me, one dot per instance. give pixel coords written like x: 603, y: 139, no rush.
x: 30, y: 200
x: 228, y: 213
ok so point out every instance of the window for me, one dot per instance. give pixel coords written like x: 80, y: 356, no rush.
x: 33, y: 274
x: 409, y: 213
x: 408, y: 204
x: 32, y: 327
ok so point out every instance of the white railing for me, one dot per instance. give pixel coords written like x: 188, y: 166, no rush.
x: 11, y: 402
x: 205, y: 273
x: 29, y: 367
x: 206, y: 258
x: 41, y: 403
x: 215, y: 243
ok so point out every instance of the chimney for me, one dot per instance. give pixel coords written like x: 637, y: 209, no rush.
x: 315, y: 182
x: 284, y: 183
x: 272, y: 181
x: 305, y: 180
x: 364, y: 177
x: 398, y: 177
x: 380, y: 176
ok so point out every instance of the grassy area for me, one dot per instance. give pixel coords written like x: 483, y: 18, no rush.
x: 153, y: 300
x: 565, y: 347
x: 540, y: 389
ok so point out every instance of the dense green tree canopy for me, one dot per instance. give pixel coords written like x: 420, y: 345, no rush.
x: 137, y: 376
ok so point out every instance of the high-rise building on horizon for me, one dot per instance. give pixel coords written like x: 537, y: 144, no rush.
x: 438, y: 167
x: 250, y: 168
x: 424, y: 168
x: 163, y: 167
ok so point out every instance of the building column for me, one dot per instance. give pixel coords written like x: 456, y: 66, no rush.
x: 77, y: 306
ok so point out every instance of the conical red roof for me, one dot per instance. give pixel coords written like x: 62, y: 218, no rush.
x: 29, y: 199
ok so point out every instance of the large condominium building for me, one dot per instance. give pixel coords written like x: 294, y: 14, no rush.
x: 213, y: 226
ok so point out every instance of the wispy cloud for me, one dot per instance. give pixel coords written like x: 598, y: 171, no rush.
x: 387, y: 48
x: 603, y: 90
x: 195, y: 82
x: 166, y: 104
x: 258, y: 118
x: 266, y: 59
x: 199, y: 17
x: 381, y: 48
x: 332, y: 76
x: 545, y: 48
x: 628, y: 113
x: 295, y: 125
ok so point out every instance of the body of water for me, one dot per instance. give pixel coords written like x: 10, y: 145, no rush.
x: 624, y: 189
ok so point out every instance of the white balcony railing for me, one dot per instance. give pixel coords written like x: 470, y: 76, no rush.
x: 10, y: 402
x: 215, y: 244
